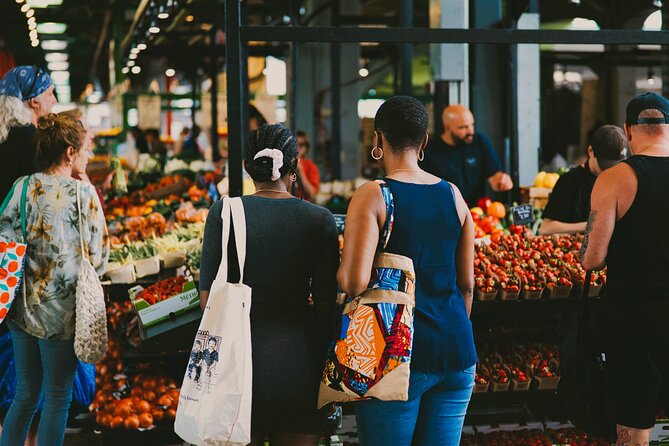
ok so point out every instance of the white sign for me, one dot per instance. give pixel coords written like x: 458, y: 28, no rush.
x: 148, y: 109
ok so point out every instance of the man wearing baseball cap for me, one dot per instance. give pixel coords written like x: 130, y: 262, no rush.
x: 569, y: 204
x: 627, y: 232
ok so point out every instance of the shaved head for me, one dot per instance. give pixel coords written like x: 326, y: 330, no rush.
x: 458, y: 125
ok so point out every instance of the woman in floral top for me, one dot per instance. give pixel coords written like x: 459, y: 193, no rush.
x: 42, y: 320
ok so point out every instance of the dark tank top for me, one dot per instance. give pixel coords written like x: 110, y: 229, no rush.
x: 427, y: 230
x: 638, y: 256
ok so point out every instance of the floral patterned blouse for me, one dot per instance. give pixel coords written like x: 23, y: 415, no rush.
x: 53, y: 258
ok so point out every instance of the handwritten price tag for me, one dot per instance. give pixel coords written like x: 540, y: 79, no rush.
x: 522, y: 215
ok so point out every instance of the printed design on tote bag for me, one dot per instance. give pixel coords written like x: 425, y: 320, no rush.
x: 203, y: 360
x: 12, y: 257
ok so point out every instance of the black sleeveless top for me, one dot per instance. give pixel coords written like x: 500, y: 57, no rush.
x: 638, y: 257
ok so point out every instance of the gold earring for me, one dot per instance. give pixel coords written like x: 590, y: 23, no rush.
x: 373, y: 151
x: 293, y: 177
x: 421, y: 154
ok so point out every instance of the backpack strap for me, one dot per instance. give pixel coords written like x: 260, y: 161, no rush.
x: 390, y: 214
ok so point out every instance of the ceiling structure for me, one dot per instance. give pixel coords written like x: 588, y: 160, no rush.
x: 184, y: 37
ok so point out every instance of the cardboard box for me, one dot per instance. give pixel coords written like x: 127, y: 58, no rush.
x: 181, y: 303
x: 509, y: 295
x: 480, y: 295
x: 558, y: 292
x: 147, y: 267
x: 531, y: 295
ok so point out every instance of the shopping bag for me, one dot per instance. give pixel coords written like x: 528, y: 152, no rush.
x: 371, y: 355
x: 215, y: 400
x: 12, y: 255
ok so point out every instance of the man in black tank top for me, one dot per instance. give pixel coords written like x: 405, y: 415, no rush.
x: 627, y: 232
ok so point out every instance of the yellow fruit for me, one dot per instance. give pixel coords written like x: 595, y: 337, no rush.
x: 550, y: 180
x: 477, y: 211
x: 539, y: 179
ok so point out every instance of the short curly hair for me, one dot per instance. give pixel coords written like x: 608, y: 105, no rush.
x: 403, y: 120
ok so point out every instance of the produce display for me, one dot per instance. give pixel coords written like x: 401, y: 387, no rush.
x: 575, y: 437
x: 162, y: 290
x: 523, y: 436
x: 131, y: 398
x: 509, y: 361
x: 512, y: 262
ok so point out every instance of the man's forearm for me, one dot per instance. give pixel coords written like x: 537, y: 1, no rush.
x: 549, y: 227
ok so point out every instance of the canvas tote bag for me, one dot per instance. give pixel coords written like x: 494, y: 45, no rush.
x: 215, y: 401
x: 371, y: 355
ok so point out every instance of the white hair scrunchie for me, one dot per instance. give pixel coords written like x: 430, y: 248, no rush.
x: 277, y: 161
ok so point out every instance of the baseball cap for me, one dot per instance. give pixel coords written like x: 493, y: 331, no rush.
x: 609, y: 145
x: 644, y: 102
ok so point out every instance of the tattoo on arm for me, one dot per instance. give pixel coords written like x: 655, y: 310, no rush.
x: 588, y: 230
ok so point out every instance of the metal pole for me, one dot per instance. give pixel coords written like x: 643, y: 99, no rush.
x: 440, y: 101
x: 234, y: 90
x: 214, y: 97
x: 335, y: 81
x: 665, y: 61
x: 406, y: 49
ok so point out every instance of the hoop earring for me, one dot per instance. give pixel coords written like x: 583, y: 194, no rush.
x: 373, y: 151
x: 293, y: 177
x: 421, y: 154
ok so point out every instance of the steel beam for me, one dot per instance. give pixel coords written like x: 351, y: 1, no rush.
x: 233, y: 58
x: 443, y: 35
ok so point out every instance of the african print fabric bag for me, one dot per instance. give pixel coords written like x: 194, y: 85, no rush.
x: 372, y: 353
x: 215, y: 400
x: 12, y: 255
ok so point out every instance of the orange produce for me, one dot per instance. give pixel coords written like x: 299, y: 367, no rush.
x: 150, y: 395
x: 146, y: 420
x: 171, y: 414
x: 142, y: 407
x: 122, y: 410
x: 496, y: 209
x: 116, y: 423
x: 157, y: 414
x: 106, y: 420
x: 132, y: 422
x: 165, y: 401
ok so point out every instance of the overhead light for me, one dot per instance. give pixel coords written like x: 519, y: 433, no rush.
x: 32, y: 21
x: 132, y: 56
x: 154, y: 30
x: 58, y: 66
x: 33, y: 34
x: 190, y: 18
x: 51, y: 28
x: 25, y: 8
x: 60, y: 77
x: 135, y: 51
x: 19, y: 1
x: 44, y: 3
x: 54, y: 45
x: 125, y: 70
x: 170, y: 72
x: 163, y: 15
x: 30, y: 13
x: 56, y: 57
x: 364, y: 72
x: 32, y: 26
x: 35, y: 43
x: 141, y: 46
x: 131, y: 63
x: 136, y: 70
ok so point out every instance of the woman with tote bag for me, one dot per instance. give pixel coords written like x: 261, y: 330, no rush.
x: 291, y: 254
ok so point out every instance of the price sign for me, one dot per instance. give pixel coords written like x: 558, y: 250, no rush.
x: 522, y: 215
x: 340, y: 220
x: 148, y: 109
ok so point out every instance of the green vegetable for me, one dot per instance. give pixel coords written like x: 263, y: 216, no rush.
x: 118, y: 180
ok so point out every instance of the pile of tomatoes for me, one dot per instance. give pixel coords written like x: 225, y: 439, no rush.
x: 576, y: 437
x: 523, y: 437
x: 152, y: 400
x: 162, y: 290
x: 487, y: 217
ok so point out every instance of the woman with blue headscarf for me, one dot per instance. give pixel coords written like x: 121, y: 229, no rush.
x: 26, y: 94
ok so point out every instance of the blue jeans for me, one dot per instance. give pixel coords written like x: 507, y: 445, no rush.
x: 433, y: 415
x: 41, y: 366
